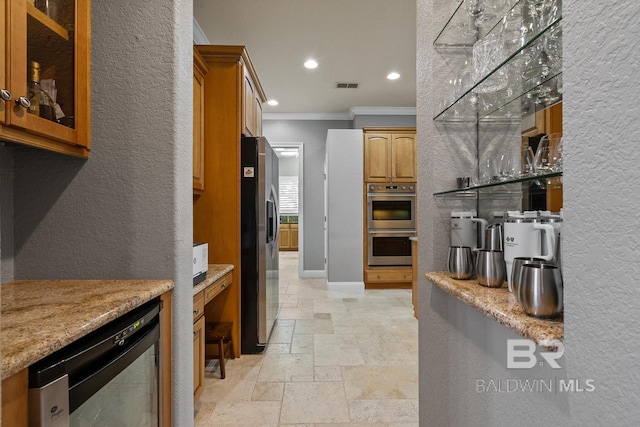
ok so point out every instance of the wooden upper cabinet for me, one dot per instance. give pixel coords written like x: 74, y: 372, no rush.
x: 258, y: 117
x: 390, y: 155
x: 377, y: 157
x: 59, y: 41
x: 252, y: 108
x: 200, y: 69
x: 403, y: 158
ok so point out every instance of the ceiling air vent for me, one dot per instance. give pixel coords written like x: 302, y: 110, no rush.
x: 347, y: 85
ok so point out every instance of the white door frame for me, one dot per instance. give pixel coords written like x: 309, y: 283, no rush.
x: 300, y: 147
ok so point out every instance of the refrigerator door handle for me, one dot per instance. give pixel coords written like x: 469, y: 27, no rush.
x: 276, y: 214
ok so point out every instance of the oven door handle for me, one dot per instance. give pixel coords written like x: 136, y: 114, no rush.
x: 402, y: 195
x: 407, y: 232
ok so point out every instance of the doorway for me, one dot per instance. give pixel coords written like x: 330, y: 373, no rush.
x: 291, y: 187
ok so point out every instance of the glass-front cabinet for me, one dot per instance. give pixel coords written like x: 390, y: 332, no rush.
x: 505, y: 58
x: 45, y: 80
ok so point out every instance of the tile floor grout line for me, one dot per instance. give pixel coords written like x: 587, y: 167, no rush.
x: 351, y: 320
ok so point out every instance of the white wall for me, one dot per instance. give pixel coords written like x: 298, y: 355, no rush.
x: 458, y: 345
x: 313, y: 133
x: 344, y: 209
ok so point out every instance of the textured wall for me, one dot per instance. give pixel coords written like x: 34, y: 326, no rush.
x: 6, y: 213
x: 313, y: 133
x: 458, y: 345
x: 126, y: 212
x: 600, y: 256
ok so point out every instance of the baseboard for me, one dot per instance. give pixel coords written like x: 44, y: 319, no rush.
x: 345, y: 286
x: 401, y: 285
x: 313, y: 274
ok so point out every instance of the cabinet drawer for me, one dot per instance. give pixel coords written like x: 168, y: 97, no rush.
x: 198, y: 305
x: 388, y: 276
x: 217, y: 287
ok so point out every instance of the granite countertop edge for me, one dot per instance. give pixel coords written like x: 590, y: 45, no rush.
x: 40, y: 317
x: 501, y: 305
x: 214, y: 272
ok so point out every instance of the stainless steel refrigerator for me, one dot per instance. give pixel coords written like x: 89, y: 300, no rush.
x: 259, y: 269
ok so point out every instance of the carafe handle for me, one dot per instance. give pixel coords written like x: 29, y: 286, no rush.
x: 549, y: 236
x: 483, y: 225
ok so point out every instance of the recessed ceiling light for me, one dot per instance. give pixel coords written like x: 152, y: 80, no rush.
x: 311, y: 64
x: 272, y: 102
x: 393, y: 76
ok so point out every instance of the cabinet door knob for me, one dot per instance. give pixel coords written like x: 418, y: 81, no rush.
x: 5, y: 95
x: 195, y: 311
x: 195, y: 333
x: 23, y: 101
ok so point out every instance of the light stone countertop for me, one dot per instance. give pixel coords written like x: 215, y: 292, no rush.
x: 214, y: 272
x: 501, y: 305
x: 40, y: 317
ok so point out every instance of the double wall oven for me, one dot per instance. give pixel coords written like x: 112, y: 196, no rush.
x: 391, y: 221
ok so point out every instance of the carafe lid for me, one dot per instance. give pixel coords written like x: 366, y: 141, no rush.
x: 547, y: 216
x: 463, y: 214
x: 526, y: 216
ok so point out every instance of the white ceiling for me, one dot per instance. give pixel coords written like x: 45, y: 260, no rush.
x: 357, y: 41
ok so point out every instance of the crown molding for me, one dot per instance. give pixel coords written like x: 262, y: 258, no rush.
x: 306, y: 116
x: 382, y: 111
x: 199, y: 36
x: 353, y: 112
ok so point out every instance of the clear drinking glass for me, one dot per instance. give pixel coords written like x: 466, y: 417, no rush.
x: 488, y: 53
x: 527, y: 157
x: 475, y: 8
x: 488, y: 171
x: 541, y: 162
x: 556, y: 152
x: 506, y: 167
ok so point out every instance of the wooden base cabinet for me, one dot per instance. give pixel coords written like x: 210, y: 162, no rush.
x: 198, y: 358
x: 388, y: 278
x: 15, y: 399
x: 288, y: 237
x: 198, y: 345
x: 60, y: 44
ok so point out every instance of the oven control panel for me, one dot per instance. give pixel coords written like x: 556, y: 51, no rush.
x: 391, y: 188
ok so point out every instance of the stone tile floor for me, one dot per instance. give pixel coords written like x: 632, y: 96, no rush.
x: 334, y: 359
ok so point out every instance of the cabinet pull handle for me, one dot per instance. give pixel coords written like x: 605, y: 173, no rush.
x: 23, y: 101
x: 195, y: 333
x: 196, y: 311
x: 5, y: 95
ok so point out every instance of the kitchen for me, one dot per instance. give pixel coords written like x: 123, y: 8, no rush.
x: 112, y: 229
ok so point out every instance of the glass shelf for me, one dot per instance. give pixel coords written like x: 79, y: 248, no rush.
x: 462, y: 30
x: 52, y: 25
x: 479, y: 102
x: 503, y: 186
